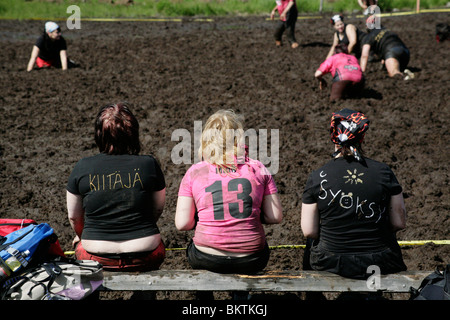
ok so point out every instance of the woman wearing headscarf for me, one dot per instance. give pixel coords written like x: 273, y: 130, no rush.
x: 347, y: 34
x: 50, y: 49
x: 352, y: 207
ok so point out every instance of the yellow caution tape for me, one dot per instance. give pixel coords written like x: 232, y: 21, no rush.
x: 296, y: 246
x: 392, y: 14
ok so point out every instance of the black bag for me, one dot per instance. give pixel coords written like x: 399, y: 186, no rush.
x: 58, y: 279
x: 435, y: 286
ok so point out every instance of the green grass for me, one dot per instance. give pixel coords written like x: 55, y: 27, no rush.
x: 38, y: 9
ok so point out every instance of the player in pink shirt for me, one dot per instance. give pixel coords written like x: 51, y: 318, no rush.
x: 287, y: 9
x: 346, y: 72
x: 226, y: 198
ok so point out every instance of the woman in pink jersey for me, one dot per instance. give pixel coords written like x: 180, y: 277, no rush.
x: 346, y: 72
x: 226, y: 198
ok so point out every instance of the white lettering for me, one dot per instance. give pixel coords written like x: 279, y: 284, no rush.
x: 193, y: 310
x: 74, y: 21
x: 374, y: 281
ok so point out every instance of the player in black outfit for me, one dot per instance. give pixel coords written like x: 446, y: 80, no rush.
x: 390, y: 49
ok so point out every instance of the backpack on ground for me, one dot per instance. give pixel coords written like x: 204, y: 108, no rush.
x: 57, y: 279
x: 435, y: 286
x: 23, y: 247
x: 10, y: 225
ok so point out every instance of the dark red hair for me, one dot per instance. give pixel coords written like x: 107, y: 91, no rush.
x: 341, y: 48
x: 117, y: 130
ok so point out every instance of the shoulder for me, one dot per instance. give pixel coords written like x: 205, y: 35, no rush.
x: 256, y: 164
x: 350, y: 27
x: 198, y: 169
x: 86, y: 163
x: 40, y: 40
x: 371, y: 163
x: 146, y: 158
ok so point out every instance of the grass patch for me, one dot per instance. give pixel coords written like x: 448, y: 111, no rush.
x: 40, y: 9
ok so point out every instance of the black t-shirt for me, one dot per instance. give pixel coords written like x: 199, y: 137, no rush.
x: 116, y: 193
x: 353, y: 201
x: 48, y: 49
x: 359, y: 35
x: 381, y: 40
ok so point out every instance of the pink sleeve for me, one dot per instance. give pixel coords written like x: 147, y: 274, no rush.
x: 270, y: 187
x: 327, y: 65
x: 185, y: 186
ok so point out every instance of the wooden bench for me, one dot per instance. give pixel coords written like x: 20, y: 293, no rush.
x: 287, y: 281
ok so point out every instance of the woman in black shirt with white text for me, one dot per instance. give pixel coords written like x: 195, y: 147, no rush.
x: 352, y: 207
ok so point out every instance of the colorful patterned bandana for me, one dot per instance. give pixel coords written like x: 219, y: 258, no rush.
x: 336, y: 18
x: 348, y: 128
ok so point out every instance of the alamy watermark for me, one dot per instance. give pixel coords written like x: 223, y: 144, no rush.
x: 373, y: 282
x: 374, y: 19
x: 74, y: 20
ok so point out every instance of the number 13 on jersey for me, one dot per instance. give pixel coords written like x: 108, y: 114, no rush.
x: 241, y: 208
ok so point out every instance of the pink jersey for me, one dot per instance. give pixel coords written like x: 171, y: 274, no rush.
x: 229, y: 205
x: 342, y: 67
x: 282, y: 4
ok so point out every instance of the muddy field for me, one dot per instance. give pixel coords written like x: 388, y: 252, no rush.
x: 175, y: 73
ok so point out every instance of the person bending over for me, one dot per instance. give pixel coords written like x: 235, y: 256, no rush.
x: 347, y: 34
x: 347, y: 76
x: 388, y: 46
x: 50, y: 49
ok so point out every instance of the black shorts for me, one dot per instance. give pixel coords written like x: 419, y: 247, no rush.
x: 227, y: 264
x: 355, y: 266
x: 400, y: 53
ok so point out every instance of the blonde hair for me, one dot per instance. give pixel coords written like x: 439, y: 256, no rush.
x: 222, y: 139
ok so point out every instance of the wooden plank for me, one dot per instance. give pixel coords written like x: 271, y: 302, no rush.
x: 292, y: 281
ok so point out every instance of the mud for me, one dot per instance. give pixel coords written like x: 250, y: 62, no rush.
x: 175, y: 73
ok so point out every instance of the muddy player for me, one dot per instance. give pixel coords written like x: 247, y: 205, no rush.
x: 347, y: 76
x: 345, y: 33
x: 287, y: 9
x: 226, y: 198
x: 115, y: 198
x: 388, y: 46
x: 50, y: 49
x: 356, y: 206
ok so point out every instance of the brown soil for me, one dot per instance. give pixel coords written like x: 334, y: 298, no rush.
x: 175, y: 73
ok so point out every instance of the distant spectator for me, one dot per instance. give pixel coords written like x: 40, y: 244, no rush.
x: 347, y: 80
x: 50, y: 49
x: 287, y: 9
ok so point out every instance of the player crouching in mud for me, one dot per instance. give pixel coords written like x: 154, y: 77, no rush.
x: 347, y: 76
